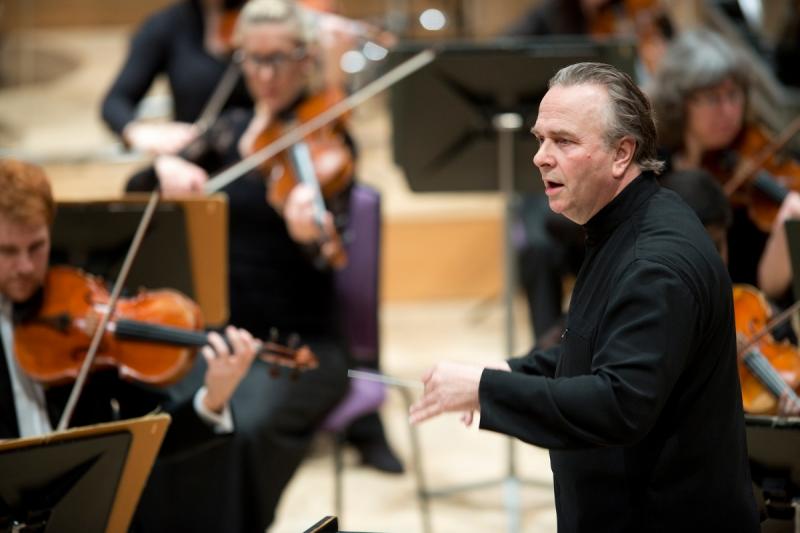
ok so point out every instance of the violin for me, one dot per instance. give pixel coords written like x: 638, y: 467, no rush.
x: 152, y: 338
x: 753, y: 176
x: 768, y: 368
x: 321, y: 160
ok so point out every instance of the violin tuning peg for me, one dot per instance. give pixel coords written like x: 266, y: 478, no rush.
x: 293, y: 341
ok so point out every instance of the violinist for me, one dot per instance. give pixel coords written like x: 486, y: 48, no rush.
x: 700, y: 98
x: 706, y: 198
x: 187, y: 42
x: 30, y: 409
x: 278, y: 275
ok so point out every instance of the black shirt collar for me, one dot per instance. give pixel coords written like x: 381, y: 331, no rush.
x: 621, y: 207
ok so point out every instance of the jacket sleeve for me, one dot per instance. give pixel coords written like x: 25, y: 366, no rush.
x: 146, y: 59
x: 634, y: 357
x: 536, y: 362
x: 187, y: 433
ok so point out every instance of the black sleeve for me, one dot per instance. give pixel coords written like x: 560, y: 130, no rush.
x: 537, y: 362
x: 208, y: 151
x: 640, y: 348
x: 146, y: 59
x: 187, y: 432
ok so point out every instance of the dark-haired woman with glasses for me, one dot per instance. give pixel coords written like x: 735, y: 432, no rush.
x: 183, y: 42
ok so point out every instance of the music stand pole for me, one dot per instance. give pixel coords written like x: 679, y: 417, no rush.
x: 506, y: 125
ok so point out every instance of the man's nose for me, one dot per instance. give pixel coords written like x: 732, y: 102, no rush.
x: 542, y: 158
x: 25, y: 263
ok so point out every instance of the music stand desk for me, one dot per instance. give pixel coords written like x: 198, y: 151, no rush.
x: 70, y: 471
x: 198, y: 265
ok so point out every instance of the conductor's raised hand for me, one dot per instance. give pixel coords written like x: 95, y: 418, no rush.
x: 227, y: 366
x: 448, y: 387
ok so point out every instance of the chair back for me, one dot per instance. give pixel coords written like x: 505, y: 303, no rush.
x: 358, y: 283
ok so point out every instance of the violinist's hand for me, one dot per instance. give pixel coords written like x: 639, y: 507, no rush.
x: 225, y: 369
x: 299, y: 215
x: 178, y: 176
x: 788, y: 405
x: 159, y: 138
x: 790, y: 209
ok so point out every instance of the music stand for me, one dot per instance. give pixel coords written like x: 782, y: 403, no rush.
x: 772, y: 445
x: 793, y: 242
x: 460, y: 124
x: 84, y: 479
x: 330, y: 524
x: 185, y: 247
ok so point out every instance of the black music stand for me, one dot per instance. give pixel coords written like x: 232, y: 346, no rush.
x: 329, y: 524
x: 461, y: 124
x: 793, y: 242
x: 773, y: 445
x: 85, y: 479
x: 95, y: 237
x: 185, y: 247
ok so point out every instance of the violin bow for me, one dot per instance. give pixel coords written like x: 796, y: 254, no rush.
x: 88, y: 361
x: 221, y: 93
x: 298, y: 133
x: 776, y: 321
x: 748, y: 170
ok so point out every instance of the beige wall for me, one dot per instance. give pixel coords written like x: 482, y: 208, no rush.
x: 19, y: 14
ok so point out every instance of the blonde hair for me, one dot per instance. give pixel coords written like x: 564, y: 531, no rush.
x: 285, y: 12
x: 25, y: 193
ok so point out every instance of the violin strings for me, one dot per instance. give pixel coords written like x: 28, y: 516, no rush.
x: 765, y: 372
x: 133, y: 329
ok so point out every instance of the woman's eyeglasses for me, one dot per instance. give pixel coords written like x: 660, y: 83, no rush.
x: 278, y: 61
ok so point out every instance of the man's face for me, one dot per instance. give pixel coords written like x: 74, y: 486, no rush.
x: 714, y: 116
x: 576, y: 164
x: 24, y: 253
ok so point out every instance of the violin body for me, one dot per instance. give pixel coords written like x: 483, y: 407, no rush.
x: 771, y: 367
x: 333, y: 162
x: 51, y: 346
x: 762, y: 195
x: 321, y: 160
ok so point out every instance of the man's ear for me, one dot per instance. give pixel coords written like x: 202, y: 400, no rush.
x: 623, y: 156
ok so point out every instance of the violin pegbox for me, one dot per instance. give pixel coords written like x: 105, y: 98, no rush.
x: 291, y: 355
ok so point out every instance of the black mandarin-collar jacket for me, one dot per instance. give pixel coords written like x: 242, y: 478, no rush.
x: 640, y: 404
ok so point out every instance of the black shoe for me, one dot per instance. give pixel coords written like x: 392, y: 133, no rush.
x: 381, y: 457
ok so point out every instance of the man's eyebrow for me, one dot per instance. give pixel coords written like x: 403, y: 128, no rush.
x: 553, y: 133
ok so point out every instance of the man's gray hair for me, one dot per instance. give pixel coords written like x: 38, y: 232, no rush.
x: 630, y: 113
x: 696, y: 60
